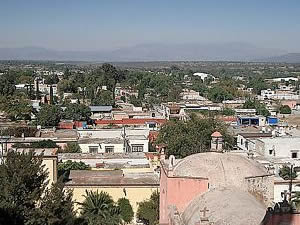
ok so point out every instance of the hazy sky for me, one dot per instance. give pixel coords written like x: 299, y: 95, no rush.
x: 109, y: 24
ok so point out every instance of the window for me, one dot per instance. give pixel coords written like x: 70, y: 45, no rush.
x: 93, y: 149
x: 242, y: 141
x: 271, y: 152
x: 109, y: 149
x: 294, y: 155
x: 137, y: 148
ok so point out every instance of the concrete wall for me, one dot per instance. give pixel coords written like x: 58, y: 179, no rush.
x: 280, y: 187
x: 178, y: 191
x: 262, y: 188
x: 283, y: 146
x: 134, y: 194
x: 51, y: 167
x: 283, y: 219
x: 111, y: 133
x: 241, y: 143
x: 118, y: 148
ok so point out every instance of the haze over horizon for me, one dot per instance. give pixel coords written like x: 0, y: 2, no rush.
x: 148, y: 30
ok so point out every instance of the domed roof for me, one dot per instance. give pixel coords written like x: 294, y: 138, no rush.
x: 216, y: 134
x: 225, y: 206
x: 221, y: 169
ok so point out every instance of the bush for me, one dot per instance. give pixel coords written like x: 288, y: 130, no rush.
x: 285, y: 109
x: 64, y: 168
x: 285, y: 173
x: 148, y: 210
x: 18, y: 131
x: 71, y: 148
x: 126, y: 211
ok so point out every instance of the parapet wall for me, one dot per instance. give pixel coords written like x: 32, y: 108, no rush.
x: 262, y: 187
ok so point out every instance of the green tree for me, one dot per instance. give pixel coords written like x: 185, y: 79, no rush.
x: 99, y: 208
x: 148, y: 210
x: 72, y: 147
x: 112, y: 73
x: 286, y: 173
x: 77, y: 112
x: 16, y: 107
x: 44, y: 144
x: 103, y: 98
x: 285, y: 109
x: 22, y: 183
x: 260, y: 108
x: 7, y: 84
x: 126, y: 211
x: 194, y: 136
x: 135, y: 101
x: 49, y: 115
x: 65, y: 168
x: 228, y: 112
x: 57, y: 207
x: 51, y: 79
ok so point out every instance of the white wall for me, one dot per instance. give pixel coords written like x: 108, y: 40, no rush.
x: 118, y: 148
x: 283, y: 146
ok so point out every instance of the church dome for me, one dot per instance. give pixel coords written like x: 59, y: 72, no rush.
x: 221, y: 169
x: 224, y: 206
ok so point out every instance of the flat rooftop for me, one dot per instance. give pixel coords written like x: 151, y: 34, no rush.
x: 111, y: 178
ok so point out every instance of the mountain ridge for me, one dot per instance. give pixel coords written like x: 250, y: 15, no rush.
x: 236, y: 51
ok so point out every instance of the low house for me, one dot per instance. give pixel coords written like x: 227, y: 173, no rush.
x: 247, y: 141
x: 100, y: 112
x: 101, y: 145
x: 279, y: 147
x: 251, y: 120
x: 150, y: 123
x: 133, y: 162
x: 114, y: 140
x: 136, y: 187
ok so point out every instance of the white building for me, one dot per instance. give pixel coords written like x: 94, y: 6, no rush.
x: 204, y: 76
x: 191, y: 95
x: 279, y: 147
x: 113, y: 140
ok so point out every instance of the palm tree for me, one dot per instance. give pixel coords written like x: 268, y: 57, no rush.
x: 99, y: 209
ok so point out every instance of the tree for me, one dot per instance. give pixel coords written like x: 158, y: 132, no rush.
x: 228, y: 112
x: 135, y: 101
x: 51, y: 79
x: 148, y: 210
x: 72, y: 147
x: 99, y: 208
x: 259, y: 107
x: 77, y: 112
x: 22, y: 183
x: 103, y: 98
x: 44, y: 144
x: 285, y: 109
x: 16, y: 107
x: 112, y: 73
x: 57, y: 207
x: 64, y: 168
x: 7, y: 84
x: 126, y: 211
x: 49, y: 115
x: 286, y: 173
x: 187, y: 138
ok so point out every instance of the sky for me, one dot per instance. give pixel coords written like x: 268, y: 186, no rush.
x: 112, y: 24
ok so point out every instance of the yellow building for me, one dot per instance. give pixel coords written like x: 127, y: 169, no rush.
x: 49, y: 161
x: 136, y: 187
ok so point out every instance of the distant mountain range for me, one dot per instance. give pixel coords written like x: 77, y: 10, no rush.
x: 286, y: 58
x: 157, y: 52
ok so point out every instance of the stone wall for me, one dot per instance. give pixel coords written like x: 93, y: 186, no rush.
x: 262, y: 187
